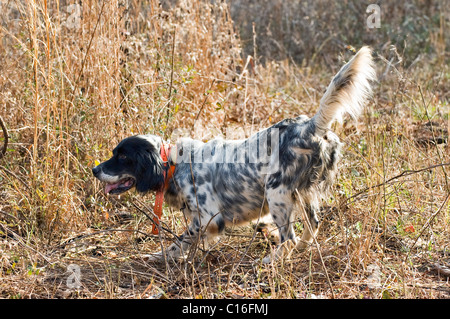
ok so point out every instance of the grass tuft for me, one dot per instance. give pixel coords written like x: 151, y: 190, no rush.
x: 77, y: 77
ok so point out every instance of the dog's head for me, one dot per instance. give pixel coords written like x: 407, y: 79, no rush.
x: 136, y: 162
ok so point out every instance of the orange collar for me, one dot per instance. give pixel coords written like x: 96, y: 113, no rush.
x: 165, y: 153
x: 159, y: 198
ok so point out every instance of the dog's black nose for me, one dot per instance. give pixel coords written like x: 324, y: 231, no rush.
x: 96, y: 170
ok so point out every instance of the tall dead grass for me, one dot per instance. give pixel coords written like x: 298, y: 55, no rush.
x: 76, y: 79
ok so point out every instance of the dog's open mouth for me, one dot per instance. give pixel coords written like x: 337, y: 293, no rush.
x: 121, y: 186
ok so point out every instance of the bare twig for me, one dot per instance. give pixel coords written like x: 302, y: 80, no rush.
x: 402, y: 174
x: 442, y: 270
x: 203, y: 104
x: 20, y: 179
x: 3, y: 152
x: 151, y: 218
x: 427, y: 224
x: 71, y: 240
x: 87, y: 52
x: 425, y: 105
x: 169, y: 97
x: 19, y: 239
x: 5, y: 134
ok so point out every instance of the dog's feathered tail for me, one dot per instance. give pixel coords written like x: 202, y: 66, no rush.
x: 348, y: 91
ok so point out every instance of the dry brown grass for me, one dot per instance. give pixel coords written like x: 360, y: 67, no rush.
x: 71, y: 88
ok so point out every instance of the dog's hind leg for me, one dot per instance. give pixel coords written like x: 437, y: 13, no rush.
x: 281, y: 206
x: 311, y: 227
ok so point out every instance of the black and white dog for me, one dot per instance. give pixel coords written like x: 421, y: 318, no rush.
x: 225, y: 182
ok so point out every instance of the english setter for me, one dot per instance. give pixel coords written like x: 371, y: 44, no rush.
x: 231, y: 182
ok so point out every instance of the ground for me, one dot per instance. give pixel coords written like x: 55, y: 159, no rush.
x: 77, y: 78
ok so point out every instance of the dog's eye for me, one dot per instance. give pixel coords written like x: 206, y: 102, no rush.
x: 122, y: 157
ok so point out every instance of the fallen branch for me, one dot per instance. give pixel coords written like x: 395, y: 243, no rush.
x: 442, y: 270
x: 19, y: 240
x: 82, y: 236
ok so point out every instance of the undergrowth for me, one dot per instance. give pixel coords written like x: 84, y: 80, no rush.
x: 76, y: 79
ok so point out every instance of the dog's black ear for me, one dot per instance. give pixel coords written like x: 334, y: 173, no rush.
x: 149, y: 171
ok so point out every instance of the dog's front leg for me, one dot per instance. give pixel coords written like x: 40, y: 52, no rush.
x: 180, y: 247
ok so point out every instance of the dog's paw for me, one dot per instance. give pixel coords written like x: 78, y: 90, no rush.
x: 264, y: 261
x: 267, y: 260
x: 283, y: 251
x: 156, y: 257
x: 302, y: 245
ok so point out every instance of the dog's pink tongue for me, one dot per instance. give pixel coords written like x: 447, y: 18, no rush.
x: 110, y: 187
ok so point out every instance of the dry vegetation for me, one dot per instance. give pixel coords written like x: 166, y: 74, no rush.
x: 76, y: 79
